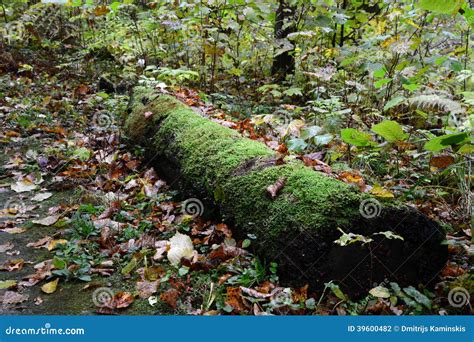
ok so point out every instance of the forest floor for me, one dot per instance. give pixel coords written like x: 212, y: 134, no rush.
x: 85, y: 221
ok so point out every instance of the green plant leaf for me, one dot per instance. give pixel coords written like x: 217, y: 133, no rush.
x: 382, y: 82
x: 390, y: 131
x: 394, y: 102
x: 441, y: 6
x: 357, y: 138
x: 440, y: 143
x: 418, y: 296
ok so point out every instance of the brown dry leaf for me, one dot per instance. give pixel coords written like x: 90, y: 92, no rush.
x: 352, y: 178
x: 122, y: 300
x: 50, y: 287
x: 300, y: 295
x: 441, y: 161
x: 224, y: 252
x: 82, y: 89
x: 14, y: 230
x: 13, y: 265
x: 255, y: 293
x: 12, y: 297
x: 101, y: 10
x: 223, y: 279
x: 47, y: 221
x: 222, y: 227
x: 43, y: 242
x: 170, y: 297
x: 234, y: 299
x: 6, y: 247
x: 275, y: 188
x: 147, y: 288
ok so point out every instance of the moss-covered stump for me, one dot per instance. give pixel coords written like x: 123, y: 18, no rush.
x: 298, y: 227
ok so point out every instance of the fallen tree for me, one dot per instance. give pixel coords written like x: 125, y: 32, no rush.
x: 308, y: 212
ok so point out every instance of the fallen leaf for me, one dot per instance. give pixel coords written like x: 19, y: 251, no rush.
x: 379, y: 191
x: 47, y: 221
x: 11, y: 297
x: 54, y: 243
x: 50, y: 287
x: 41, y: 196
x: 14, y: 230
x: 441, y: 161
x: 380, y: 292
x: 6, y: 247
x: 122, y: 300
x: 170, y: 297
x: 224, y: 252
x: 147, y: 288
x: 43, y: 242
x: 234, y: 299
x: 275, y: 188
x: 23, y: 186
x: 181, y: 246
x: 6, y: 284
x: 13, y: 265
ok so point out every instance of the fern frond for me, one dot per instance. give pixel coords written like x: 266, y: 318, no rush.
x: 437, y: 102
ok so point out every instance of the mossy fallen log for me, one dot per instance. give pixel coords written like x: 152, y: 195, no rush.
x: 298, y: 227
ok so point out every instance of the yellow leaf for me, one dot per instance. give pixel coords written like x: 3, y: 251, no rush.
x: 101, y: 10
x: 378, y: 191
x: 51, y: 286
x: 54, y: 243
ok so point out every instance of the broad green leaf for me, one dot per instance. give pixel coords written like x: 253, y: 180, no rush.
x: 418, y: 296
x: 444, y: 141
x: 466, y: 149
x: 382, y: 82
x: 357, y: 138
x: 380, y: 292
x: 293, y: 91
x: 309, y: 132
x: 390, y: 131
x: 336, y: 290
x: 323, y: 139
x: 114, y: 5
x: 441, y: 6
x: 380, y: 72
x: 411, y: 87
x: 296, y: 145
x: 394, y: 102
x: 82, y: 153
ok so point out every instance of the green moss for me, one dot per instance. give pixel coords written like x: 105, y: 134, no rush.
x: 310, y: 201
x: 208, y: 156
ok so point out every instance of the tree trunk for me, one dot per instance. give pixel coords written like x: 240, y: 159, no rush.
x: 297, y: 227
x: 284, y: 63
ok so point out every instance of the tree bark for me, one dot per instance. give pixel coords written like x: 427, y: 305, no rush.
x: 297, y: 227
x: 284, y: 63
